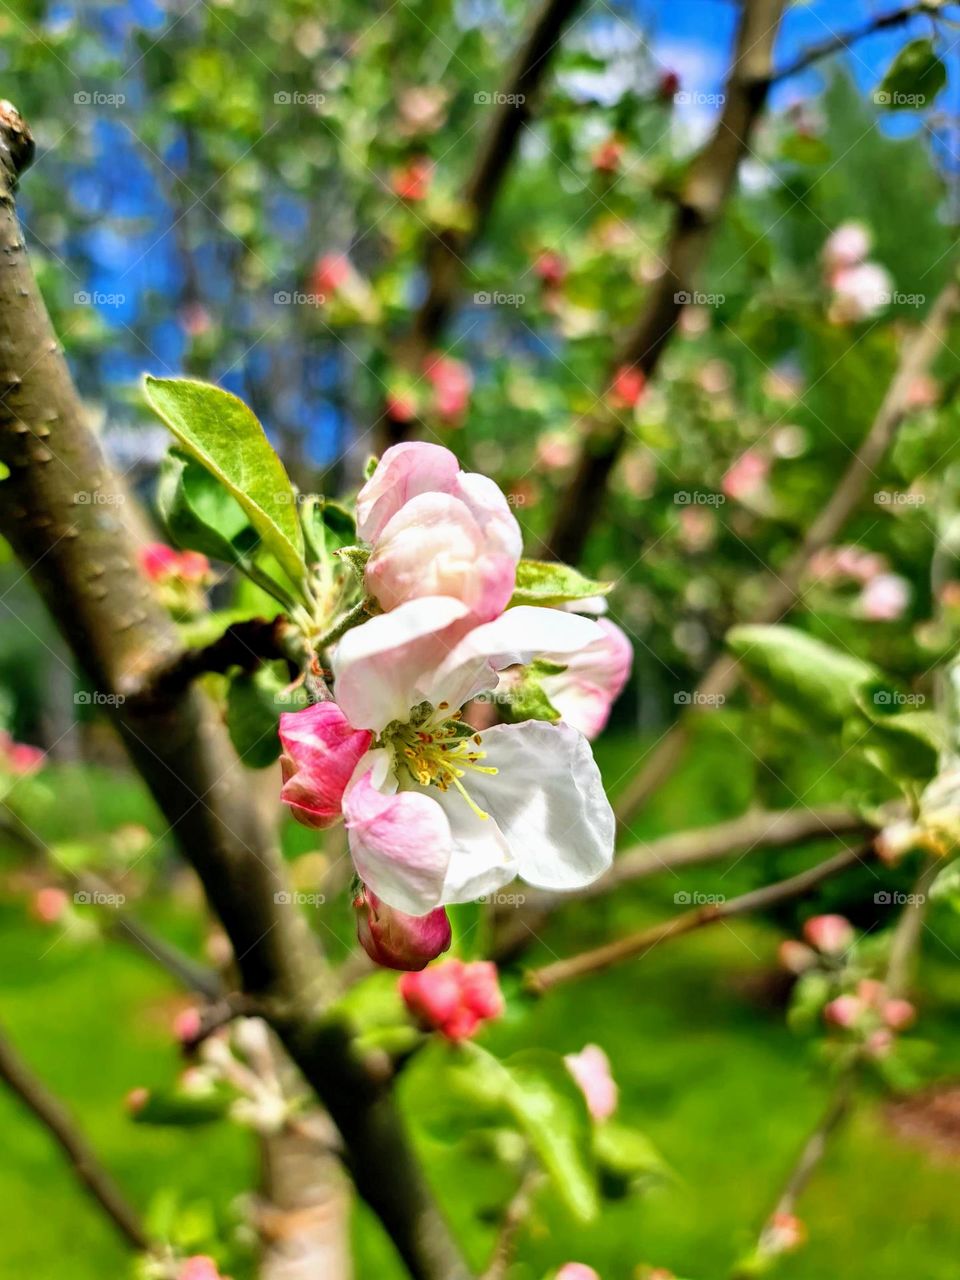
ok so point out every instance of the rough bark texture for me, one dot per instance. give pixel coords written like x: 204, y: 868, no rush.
x: 66, y: 518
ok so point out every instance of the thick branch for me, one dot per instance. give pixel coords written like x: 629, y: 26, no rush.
x: 63, y: 513
x: 87, y: 1168
x: 446, y: 250
x: 699, y: 206
x: 638, y: 944
x: 245, y: 644
x: 783, y: 587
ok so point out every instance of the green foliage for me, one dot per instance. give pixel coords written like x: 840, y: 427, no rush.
x: 544, y: 582
x: 199, y: 514
x: 255, y: 703
x: 914, y: 78
x: 221, y: 433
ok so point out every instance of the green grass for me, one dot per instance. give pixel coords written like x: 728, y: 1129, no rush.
x: 711, y: 1073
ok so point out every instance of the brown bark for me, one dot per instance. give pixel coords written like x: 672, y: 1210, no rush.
x: 64, y: 515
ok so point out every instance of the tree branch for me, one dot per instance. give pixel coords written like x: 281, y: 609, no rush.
x: 699, y: 205
x: 783, y: 588
x: 839, y: 43
x: 445, y: 250
x: 749, y: 831
x: 245, y: 644
x: 82, y: 557
x: 87, y: 1168
x: 638, y: 944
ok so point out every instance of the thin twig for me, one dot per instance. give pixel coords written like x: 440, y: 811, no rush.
x: 87, y: 1168
x: 514, y: 1217
x: 840, y: 43
x: 638, y: 944
x: 783, y: 588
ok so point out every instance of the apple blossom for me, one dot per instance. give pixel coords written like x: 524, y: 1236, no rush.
x: 784, y: 1233
x: 199, y: 1267
x: 880, y: 1042
x: 844, y: 1011
x: 796, y: 957
x: 396, y: 940
x: 899, y: 1014
x: 453, y: 998
x: 437, y: 531
x: 412, y: 181
x: 607, y: 156
x: 330, y: 273
x: 592, y: 681
x: 19, y: 757
x: 576, y: 1271
x: 591, y: 1070
x: 434, y: 812
x: 746, y: 477
x: 187, y: 1025
x: 846, y: 246
x: 551, y: 267
x: 859, y: 292
x: 452, y: 383
x: 885, y: 598
x: 829, y: 933
x: 627, y: 386
x: 49, y: 904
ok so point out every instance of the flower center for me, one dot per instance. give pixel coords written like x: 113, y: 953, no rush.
x: 437, y: 749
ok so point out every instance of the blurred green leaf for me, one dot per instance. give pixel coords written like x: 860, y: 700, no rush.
x: 913, y: 79
x: 544, y: 583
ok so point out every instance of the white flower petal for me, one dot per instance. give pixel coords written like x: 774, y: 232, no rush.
x: 481, y: 861
x: 549, y: 802
x: 517, y: 636
x: 382, y: 667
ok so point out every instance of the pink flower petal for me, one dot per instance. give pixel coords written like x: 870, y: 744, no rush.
x: 321, y: 750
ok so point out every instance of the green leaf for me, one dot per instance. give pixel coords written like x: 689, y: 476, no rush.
x: 525, y: 698
x: 180, y: 1108
x: 222, y: 434
x: 904, y: 747
x: 913, y: 80
x: 545, y: 583
x: 626, y: 1159
x: 199, y: 514
x: 254, y: 705
x: 824, y: 685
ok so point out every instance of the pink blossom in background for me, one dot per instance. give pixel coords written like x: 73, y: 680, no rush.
x: 747, y: 476
x: 452, y: 383
x: 577, y: 1271
x: 453, y: 998
x: 49, y: 904
x: 698, y: 528
x: 396, y: 940
x: 885, y: 598
x: 195, y: 320
x: 829, y: 933
x: 846, y: 246
x: 591, y: 1070
x: 880, y: 1042
x: 668, y: 86
x: 844, y: 1011
x: 411, y: 182
x: 899, y: 1014
x: 860, y: 292
x: 330, y: 273
x: 163, y: 564
x: 593, y: 680
x: 188, y: 1024
x: 796, y: 957
x: 400, y: 406
x: 551, y: 268
x: 555, y: 450
x: 628, y: 385
x: 19, y: 757
x: 607, y: 157
x: 784, y: 1233
x: 200, y: 1267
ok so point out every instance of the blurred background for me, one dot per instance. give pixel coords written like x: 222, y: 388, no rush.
x: 248, y: 194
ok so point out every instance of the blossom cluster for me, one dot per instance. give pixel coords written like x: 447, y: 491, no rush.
x: 859, y: 287
x: 436, y: 811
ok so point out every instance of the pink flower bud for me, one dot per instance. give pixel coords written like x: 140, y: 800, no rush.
x: 668, y: 86
x: 796, y: 957
x: 200, y: 1267
x: 591, y: 1070
x: 330, y: 273
x: 395, y: 940
x: 899, y: 1014
x: 846, y: 246
x: 320, y: 752
x: 187, y: 1025
x: 830, y: 933
x: 880, y: 1042
x: 49, y: 905
x: 412, y: 181
x: 452, y: 383
x: 628, y: 385
x: 19, y: 757
x: 453, y: 998
x: 576, y: 1271
x: 885, y: 598
x: 784, y: 1233
x: 136, y: 1099
x: 844, y: 1011
x: 746, y: 476
x: 158, y: 561
x: 606, y: 158
x: 551, y: 268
